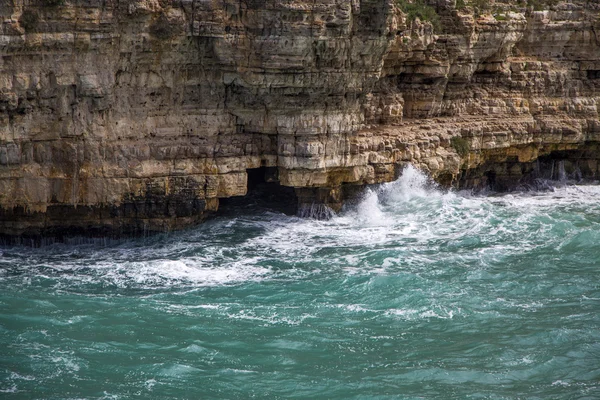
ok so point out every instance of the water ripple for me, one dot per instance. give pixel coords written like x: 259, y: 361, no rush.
x: 413, y: 292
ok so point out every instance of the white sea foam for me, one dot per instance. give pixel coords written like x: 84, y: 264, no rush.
x: 17, y: 376
x: 355, y: 308
x: 189, y: 271
x: 10, y: 389
x: 109, y: 396
x: 369, y: 211
x: 411, y: 184
x: 194, y: 348
x: 402, y: 313
x: 67, y: 362
x: 406, y: 218
x: 411, y: 270
x: 423, y: 313
x: 237, y: 371
x: 149, y: 384
x: 269, y: 318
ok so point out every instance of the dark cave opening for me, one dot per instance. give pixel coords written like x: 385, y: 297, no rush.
x: 563, y: 166
x: 263, y: 193
x: 491, y: 178
x: 559, y: 167
x: 593, y: 74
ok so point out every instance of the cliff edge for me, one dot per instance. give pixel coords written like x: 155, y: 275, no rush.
x: 128, y: 116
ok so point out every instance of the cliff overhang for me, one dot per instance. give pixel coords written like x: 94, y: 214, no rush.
x: 133, y: 116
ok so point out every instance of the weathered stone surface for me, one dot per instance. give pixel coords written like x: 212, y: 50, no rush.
x: 137, y: 115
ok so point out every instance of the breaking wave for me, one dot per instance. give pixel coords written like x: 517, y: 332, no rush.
x: 412, y: 291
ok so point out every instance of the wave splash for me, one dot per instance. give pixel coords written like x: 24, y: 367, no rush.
x: 406, y: 222
x: 381, y: 205
x: 481, y: 293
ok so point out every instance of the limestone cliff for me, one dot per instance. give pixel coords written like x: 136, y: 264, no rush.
x: 136, y: 115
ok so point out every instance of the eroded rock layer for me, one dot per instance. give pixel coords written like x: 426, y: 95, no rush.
x: 139, y: 115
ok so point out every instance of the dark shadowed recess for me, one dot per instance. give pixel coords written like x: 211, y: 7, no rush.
x: 574, y: 166
x: 264, y: 194
x: 141, y: 217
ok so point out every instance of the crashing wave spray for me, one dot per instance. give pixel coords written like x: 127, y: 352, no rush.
x: 411, y: 190
x: 316, y: 211
x: 412, y: 183
x: 562, y: 174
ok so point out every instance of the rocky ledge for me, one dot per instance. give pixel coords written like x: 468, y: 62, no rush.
x: 130, y: 116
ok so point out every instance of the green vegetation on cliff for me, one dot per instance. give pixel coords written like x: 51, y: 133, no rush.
x: 419, y: 9
x: 29, y: 20
x: 461, y: 145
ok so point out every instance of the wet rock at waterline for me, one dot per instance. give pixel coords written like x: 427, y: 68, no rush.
x: 410, y: 292
x: 141, y: 116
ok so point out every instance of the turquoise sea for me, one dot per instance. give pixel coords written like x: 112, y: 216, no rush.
x: 411, y: 293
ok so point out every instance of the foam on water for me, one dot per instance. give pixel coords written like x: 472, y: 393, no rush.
x: 408, y: 212
x: 413, y: 291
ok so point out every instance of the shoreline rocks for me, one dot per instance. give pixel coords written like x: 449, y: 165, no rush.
x: 139, y: 115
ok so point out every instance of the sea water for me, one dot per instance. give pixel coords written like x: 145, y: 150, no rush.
x: 410, y: 293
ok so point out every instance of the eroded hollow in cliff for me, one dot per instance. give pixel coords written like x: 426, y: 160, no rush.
x: 263, y: 192
x: 569, y: 166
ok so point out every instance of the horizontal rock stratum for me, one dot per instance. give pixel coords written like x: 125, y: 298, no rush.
x: 125, y: 116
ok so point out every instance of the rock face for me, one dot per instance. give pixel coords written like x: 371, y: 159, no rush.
x: 126, y: 116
